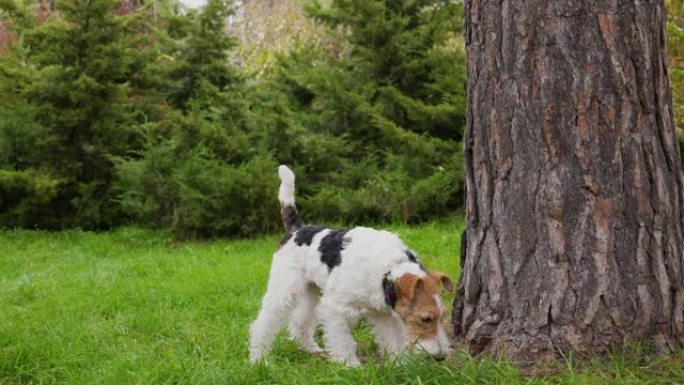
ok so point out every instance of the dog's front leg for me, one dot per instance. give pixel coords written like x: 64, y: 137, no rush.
x: 389, y: 333
x: 337, y: 332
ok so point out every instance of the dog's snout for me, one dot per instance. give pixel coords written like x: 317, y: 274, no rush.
x: 439, y: 357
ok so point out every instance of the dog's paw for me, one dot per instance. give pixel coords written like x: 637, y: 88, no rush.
x: 350, y: 362
x: 310, y: 347
x: 257, y: 356
x: 353, y: 362
x: 313, y: 349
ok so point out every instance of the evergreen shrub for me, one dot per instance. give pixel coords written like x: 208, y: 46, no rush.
x: 112, y: 117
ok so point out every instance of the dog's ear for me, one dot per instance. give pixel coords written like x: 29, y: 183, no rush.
x: 407, y: 285
x: 443, y: 279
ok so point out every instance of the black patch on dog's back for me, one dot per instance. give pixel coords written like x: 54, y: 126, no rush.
x: 331, y: 247
x: 286, y: 238
x: 304, y: 236
x: 414, y: 259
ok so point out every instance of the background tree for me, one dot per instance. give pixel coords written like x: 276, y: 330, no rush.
x: 266, y: 29
x: 574, y: 182
x: 200, y: 170
x: 374, y: 141
x: 158, y: 116
x: 376, y: 126
x: 68, y: 78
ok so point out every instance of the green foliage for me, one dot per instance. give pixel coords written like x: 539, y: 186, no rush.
x: 375, y: 132
x: 195, y: 188
x: 681, y: 144
x: 675, y: 47
x: 65, y: 113
x: 113, y: 118
x: 199, y: 170
x: 364, y: 148
x: 267, y: 29
x: 202, y: 73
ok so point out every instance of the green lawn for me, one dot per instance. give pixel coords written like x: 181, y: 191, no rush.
x: 134, y: 306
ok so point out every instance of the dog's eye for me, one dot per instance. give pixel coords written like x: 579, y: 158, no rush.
x: 426, y: 319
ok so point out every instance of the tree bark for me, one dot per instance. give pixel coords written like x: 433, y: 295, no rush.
x: 574, y: 182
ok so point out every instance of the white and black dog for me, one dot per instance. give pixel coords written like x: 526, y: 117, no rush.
x: 333, y: 277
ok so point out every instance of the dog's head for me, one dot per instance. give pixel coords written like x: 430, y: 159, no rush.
x: 420, y: 306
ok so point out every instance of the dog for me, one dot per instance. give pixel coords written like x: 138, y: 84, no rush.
x: 333, y: 277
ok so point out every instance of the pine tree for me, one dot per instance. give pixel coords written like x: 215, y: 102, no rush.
x: 143, y: 117
x: 74, y: 92
x: 385, y: 117
x: 200, y: 171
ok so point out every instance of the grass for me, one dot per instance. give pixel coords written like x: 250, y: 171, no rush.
x: 133, y: 306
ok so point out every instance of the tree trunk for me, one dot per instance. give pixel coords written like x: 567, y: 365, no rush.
x: 574, y: 182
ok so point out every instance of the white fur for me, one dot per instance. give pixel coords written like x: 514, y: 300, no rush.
x: 350, y: 291
x: 302, y: 289
x: 287, y: 186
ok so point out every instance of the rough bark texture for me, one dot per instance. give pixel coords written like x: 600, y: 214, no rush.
x: 574, y: 184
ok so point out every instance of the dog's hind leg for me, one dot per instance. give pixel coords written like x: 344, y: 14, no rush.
x: 285, y: 287
x: 304, y: 321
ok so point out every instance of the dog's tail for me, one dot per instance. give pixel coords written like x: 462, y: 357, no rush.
x: 288, y: 210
